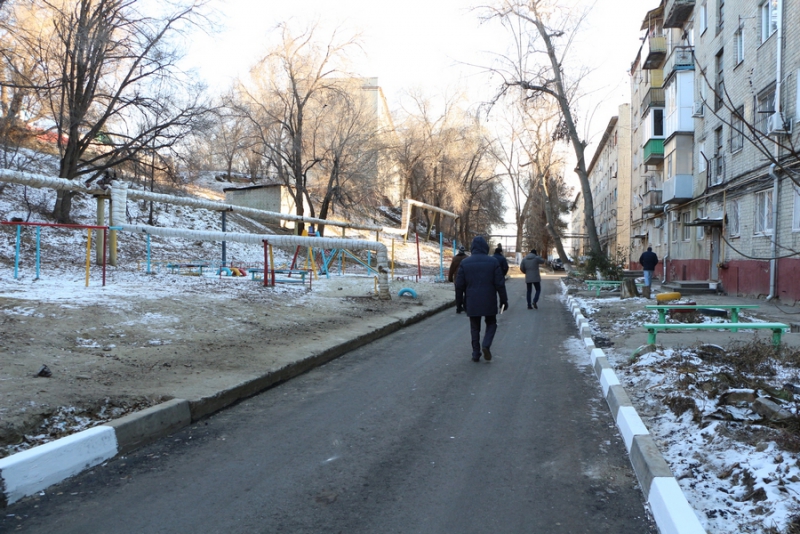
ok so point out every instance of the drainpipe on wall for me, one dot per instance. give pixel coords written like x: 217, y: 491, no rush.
x: 666, y: 256
x: 773, y: 263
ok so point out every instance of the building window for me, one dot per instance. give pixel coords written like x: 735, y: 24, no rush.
x: 720, y: 15
x: 765, y: 107
x: 733, y: 218
x: 701, y: 232
x: 675, y: 224
x: 687, y: 230
x: 718, y: 168
x: 737, y: 129
x: 703, y: 18
x: 769, y: 19
x: 719, y: 86
x: 658, y: 123
x: 738, y: 45
x: 763, y: 215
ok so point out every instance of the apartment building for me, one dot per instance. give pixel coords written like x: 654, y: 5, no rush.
x: 714, y: 95
x: 610, y: 183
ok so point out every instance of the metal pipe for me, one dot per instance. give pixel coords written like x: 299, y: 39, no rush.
x: 666, y: 240
x: 773, y: 263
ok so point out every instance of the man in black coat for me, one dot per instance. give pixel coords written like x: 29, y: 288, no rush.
x: 501, y: 259
x: 480, y: 280
x: 451, y: 273
x: 648, y: 260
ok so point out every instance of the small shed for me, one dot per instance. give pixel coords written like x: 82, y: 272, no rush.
x: 277, y: 198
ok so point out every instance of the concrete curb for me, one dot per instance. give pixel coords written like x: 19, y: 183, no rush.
x: 671, y: 510
x: 38, y: 468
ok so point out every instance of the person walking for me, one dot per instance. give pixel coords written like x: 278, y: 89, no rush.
x: 479, y: 281
x: 501, y: 259
x: 530, y: 266
x: 648, y: 260
x: 451, y: 273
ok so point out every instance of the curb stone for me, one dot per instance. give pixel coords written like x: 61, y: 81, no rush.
x: 34, y: 470
x: 671, y: 510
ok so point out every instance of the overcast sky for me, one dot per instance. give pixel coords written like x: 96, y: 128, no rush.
x: 425, y: 44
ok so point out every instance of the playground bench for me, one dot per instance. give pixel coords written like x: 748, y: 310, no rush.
x: 734, y: 308
x: 597, y: 284
x: 254, y: 275
x: 176, y: 267
x: 777, y: 329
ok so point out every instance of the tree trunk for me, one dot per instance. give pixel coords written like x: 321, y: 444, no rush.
x: 628, y: 289
x: 551, y: 228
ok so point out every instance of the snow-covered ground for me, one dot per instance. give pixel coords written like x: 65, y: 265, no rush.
x: 736, y: 462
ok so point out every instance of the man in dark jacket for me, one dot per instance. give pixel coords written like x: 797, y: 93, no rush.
x: 498, y: 255
x: 451, y: 273
x: 480, y: 280
x: 648, y: 260
x: 530, y: 266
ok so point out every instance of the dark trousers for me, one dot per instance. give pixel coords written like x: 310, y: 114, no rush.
x: 475, y: 330
x: 538, y: 286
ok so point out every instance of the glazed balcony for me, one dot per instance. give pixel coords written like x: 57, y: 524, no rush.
x: 678, y: 189
x: 677, y: 13
x: 652, y: 202
x: 653, y: 151
x: 656, y: 52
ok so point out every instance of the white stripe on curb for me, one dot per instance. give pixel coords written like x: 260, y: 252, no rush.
x: 630, y: 425
x: 33, y: 470
x: 670, y: 508
x: 608, y: 379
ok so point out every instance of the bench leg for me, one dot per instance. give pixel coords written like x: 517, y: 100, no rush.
x: 734, y: 318
x: 662, y: 316
x: 776, y: 337
x: 651, y: 337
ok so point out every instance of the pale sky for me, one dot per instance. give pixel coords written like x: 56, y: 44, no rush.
x: 426, y: 44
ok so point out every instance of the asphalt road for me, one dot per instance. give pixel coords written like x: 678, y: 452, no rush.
x: 405, y: 435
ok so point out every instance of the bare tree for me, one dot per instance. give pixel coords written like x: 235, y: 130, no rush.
x: 106, y: 71
x: 286, y: 97
x: 542, y: 27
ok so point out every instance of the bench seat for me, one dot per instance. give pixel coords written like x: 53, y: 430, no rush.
x: 777, y: 328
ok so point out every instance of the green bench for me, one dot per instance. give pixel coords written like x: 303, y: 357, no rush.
x: 663, y: 308
x: 254, y: 275
x: 777, y: 329
x: 598, y: 284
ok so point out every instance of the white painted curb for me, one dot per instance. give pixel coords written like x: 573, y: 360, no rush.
x: 33, y: 470
x: 670, y: 508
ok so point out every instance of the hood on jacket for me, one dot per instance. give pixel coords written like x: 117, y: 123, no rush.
x: 479, y: 245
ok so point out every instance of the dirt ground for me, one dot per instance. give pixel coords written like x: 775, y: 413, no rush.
x: 140, y: 341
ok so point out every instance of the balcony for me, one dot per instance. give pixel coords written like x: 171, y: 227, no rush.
x: 682, y: 58
x: 653, y: 98
x: 652, y: 202
x: 653, y: 151
x: 678, y: 12
x: 678, y: 189
x: 656, y: 52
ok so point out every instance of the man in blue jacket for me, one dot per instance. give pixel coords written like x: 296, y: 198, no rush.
x: 480, y: 280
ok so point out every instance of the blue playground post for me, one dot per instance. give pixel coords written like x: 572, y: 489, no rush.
x: 369, y: 262
x: 38, y: 250
x: 16, y: 253
x: 148, y: 253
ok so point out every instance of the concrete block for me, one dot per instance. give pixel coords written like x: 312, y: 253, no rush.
x: 27, y: 472
x: 597, y: 353
x: 589, y: 344
x: 140, y: 428
x: 608, y: 378
x: 670, y: 508
x: 616, y: 399
x: 647, y: 461
x: 601, y: 364
x: 631, y: 425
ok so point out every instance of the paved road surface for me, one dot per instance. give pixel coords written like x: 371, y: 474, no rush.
x: 405, y: 435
